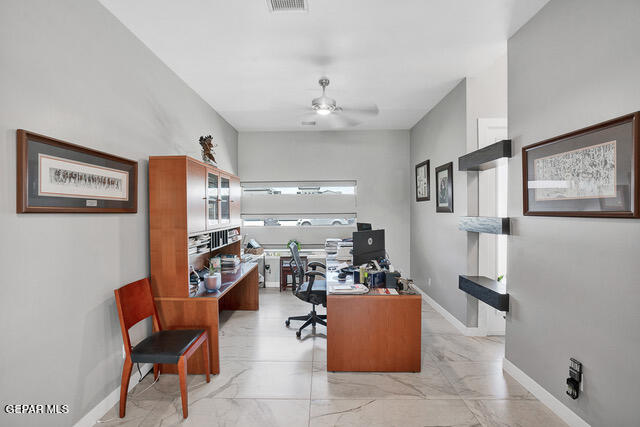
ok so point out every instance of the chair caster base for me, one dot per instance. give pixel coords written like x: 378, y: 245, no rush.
x: 298, y: 334
x: 287, y: 322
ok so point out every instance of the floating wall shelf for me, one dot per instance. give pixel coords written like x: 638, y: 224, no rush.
x: 489, y: 291
x: 485, y: 224
x: 485, y: 158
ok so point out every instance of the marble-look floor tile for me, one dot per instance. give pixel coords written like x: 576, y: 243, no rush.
x: 462, y: 348
x: 520, y: 413
x: 244, y: 323
x: 136, y: 413
x: 266, y: 348
x: 430, y: 383
x: 241, y: 413
x: 435, y: 323
x: 386, y: 413
x: 320, y: 350
x: 258, y: 380
x: 483, y: 380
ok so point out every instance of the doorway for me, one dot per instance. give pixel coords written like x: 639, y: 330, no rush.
x: 492, y: 202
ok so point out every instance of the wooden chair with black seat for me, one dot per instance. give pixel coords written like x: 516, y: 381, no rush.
x: 135, y: 303
x: 313, y: 291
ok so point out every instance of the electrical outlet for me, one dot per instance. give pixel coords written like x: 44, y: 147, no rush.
x: 429, y: 282
x: 124, y: 354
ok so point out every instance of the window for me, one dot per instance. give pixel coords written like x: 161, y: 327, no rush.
x: 306, y: 221
x: 299, y: 204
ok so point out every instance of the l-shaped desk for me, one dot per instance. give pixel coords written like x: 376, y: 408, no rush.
x: 372, y: 332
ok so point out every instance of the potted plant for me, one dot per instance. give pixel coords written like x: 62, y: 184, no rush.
x: 213, y: 278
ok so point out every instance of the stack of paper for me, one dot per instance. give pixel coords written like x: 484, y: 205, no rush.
x: 356, y: 288
x: 331, y: 245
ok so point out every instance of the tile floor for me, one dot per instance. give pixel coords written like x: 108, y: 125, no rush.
x: 270, y: 378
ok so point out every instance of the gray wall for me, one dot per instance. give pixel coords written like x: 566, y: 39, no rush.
x: 72, y: 71
x: 376, y: 159
x: 574, y: 282
x: 438, y: 248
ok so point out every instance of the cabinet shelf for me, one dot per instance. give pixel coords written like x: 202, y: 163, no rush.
x: 487, y: 290
x: 485, y: 224
x: 486, y: 157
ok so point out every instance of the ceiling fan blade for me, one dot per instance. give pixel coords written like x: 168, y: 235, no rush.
x: 365, y: 110
x: 339, y: 120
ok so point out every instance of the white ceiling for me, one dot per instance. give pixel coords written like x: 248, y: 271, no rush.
x: 259, y: 70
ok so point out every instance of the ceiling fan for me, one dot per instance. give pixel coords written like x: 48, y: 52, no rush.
x: 339, y: 116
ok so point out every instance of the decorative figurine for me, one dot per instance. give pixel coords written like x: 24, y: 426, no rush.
x: 208, y: 149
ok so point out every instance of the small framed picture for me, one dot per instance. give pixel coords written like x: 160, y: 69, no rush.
x: 423, y: 182
x: 444, y: 188
x: 590, y: 172
x: 56, y: 176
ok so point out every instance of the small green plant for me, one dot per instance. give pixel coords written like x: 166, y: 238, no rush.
x: 293, y: 241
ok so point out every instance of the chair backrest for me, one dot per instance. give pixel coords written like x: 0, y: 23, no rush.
x: 296, y: 266
x: 135, y: 303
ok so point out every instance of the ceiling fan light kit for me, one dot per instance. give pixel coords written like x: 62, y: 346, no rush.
x: 323, y: 105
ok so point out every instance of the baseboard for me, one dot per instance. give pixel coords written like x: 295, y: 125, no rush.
x: 107, y: 403
x: 272, y: 284
x: 549, y: 400
x: 465, y: 330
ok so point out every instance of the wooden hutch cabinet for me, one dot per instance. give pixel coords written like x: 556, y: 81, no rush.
x: 194, y: 214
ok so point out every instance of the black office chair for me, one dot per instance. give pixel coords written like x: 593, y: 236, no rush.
x: 313, y: 291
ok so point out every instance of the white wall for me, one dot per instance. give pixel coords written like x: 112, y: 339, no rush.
x: 72, y: 71
x: 573, y: 283
x: 377, y: 160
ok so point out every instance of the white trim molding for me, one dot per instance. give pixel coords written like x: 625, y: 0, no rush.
x: 465, y: 330
x: 550, y: 401
x: 98, y: 411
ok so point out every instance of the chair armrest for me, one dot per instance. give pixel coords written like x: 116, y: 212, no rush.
x: 315, y: 273
x: 315, y: 264
x: 312, y: 276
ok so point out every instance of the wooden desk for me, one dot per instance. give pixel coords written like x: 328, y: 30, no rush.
x: 239, y: 291
x: 371, y: 332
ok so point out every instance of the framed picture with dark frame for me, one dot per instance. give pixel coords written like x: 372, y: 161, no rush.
x: 444, y: 188
x: 56, y: 176
x: 423, y: 182
x: 591, y: 172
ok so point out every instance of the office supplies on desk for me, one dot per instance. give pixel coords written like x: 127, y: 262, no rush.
x: 391, y: 279
x: 385, y: 291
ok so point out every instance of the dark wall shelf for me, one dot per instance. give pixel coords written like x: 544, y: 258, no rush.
x: 485, y: 158
x: 485, y: 224
x: 489, y: 291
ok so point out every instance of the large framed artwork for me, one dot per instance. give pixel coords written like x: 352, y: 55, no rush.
x: 56, y: 176
x: 589, y: 172
x: 444, y: 188
x: 423, y: 182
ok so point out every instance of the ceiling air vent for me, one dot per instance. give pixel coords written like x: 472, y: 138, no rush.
x: 287, y: 5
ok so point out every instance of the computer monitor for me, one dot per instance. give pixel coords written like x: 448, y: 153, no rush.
x: 363, y: 226
x: 368, y: 245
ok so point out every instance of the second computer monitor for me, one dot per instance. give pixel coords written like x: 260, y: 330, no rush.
x: 368, y: 245
x: 363, y: 226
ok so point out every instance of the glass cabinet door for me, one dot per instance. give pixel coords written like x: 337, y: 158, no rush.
x: 212, y: 200
x: 225, y: 213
